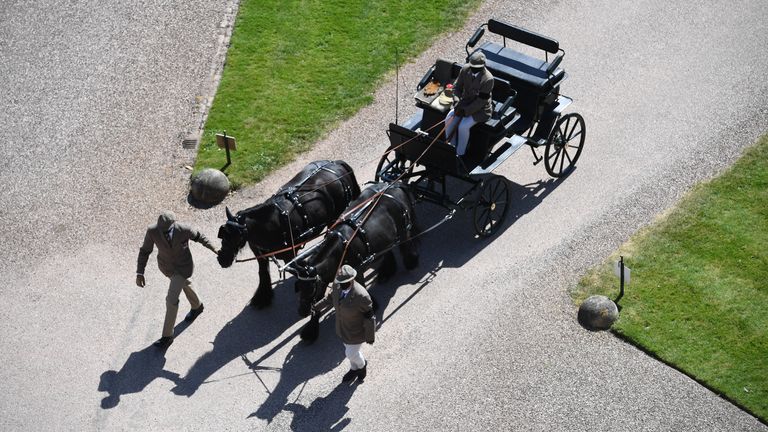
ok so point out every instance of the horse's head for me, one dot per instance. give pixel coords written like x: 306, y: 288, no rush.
x: 309, y: 286
x: 233, y: 235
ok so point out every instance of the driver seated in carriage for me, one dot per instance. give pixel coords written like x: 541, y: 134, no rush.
x: 473, y: 102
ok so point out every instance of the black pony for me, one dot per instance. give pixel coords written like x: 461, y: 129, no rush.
x: 382, y: 218
x: 298, y: 212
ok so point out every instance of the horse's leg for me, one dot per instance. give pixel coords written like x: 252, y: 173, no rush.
x: 410, y: 252
x: 263, y: 295
x: 388, y: 267
x: 311, y: 330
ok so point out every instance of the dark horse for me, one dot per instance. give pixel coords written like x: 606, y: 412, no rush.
x: 298, y: 212
x: 382, y: 218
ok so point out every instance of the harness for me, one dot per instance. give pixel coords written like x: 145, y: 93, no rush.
x: 288, y: 200
x: 357, y: 221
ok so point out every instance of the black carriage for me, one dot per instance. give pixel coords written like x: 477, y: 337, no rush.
x: 527, y: 110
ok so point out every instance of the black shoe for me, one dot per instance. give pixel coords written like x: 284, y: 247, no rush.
x: 164, y: 342
x: 362, y: 373
x: 194, y: 313
x: 349, y: 376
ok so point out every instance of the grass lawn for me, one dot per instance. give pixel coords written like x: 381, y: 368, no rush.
x: 295, y: 69
x: 698, y: 297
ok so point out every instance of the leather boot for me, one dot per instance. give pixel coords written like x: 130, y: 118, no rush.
x: 349, y: 376
x: 363, y: 372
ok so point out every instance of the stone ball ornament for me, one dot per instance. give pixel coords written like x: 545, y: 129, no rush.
x: 209, y: 186
x: 598, y: 313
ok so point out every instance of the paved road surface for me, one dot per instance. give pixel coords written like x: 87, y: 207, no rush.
x: 96, y: 97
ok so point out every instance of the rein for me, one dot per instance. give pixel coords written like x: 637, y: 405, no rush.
x: 341, y: 218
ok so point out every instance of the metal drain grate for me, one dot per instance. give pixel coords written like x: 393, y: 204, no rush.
x: 190, y: 142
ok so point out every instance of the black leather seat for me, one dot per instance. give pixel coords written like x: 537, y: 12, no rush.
x: 520, y: 68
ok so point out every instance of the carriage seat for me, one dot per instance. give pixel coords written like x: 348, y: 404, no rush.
x: 503, y: 110
x: 520, y: 68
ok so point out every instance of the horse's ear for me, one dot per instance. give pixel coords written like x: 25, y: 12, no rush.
x: 229, y: 214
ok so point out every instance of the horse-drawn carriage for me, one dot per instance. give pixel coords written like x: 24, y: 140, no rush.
x: 527, y: 110
x: 362, y: 227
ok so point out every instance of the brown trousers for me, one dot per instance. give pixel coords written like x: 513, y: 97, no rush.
x: 178, y: 283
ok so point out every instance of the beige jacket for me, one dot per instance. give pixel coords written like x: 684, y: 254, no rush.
x: 355, y: 320
x: 474, y: 94
x: 173, y: 258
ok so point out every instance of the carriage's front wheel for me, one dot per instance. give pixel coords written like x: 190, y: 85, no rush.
x: 491, y: 207
x: 564, y: 146
x: 390, y: 167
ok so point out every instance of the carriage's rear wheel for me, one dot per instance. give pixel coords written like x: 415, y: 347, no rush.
x: 564, y: 146
x: 491, y: 207
x: 390, y: 167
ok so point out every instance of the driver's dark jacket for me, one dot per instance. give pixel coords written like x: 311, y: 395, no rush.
x: 474, y: 93
x: 355, y: 321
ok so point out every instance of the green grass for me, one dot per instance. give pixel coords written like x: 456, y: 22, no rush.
x: 295, y: 69
x: 698, y: 297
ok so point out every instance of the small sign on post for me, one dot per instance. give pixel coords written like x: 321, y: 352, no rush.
x: 623, y: 273
x: 228, y: 143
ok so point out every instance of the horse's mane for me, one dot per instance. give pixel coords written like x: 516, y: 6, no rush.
x: 322, y: 260
x: 255, y: 211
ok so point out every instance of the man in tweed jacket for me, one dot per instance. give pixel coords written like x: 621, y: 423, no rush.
x: 472, y: 91
x: 355, y: 321
x: 175, y: 261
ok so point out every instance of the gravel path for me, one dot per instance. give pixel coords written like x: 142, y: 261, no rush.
x: 481, y: 337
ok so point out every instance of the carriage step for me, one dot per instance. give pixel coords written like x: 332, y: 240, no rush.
x: 510, y: 146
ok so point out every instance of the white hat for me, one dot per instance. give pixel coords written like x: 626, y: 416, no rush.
x: 346, y: 274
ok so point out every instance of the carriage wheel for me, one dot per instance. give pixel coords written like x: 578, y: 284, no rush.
x: 391, y: 165
x: 564, y: 145
x: 491, y: 207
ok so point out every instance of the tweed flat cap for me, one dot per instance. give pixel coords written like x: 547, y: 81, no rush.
x: 346, y: 274
x: 477, y: 60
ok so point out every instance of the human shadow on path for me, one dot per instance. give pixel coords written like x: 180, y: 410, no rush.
x: 248, y: 331
x: 303, y: 362
x: 325, y: 413
x: 141, y: 368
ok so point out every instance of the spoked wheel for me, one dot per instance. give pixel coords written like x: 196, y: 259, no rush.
x: 564, y: 145
x: 492, y: 206
x: 390, y: 167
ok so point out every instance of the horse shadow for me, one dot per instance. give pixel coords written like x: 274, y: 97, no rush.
x: 246, y: 332
x: 140, y: 369
x: 303, y: 362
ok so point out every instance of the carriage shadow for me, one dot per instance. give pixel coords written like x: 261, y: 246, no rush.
x: 454, y: 243
x: 246, y: 332
x: 457, y: 242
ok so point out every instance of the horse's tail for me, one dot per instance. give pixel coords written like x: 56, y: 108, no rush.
x: 350, y: 178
